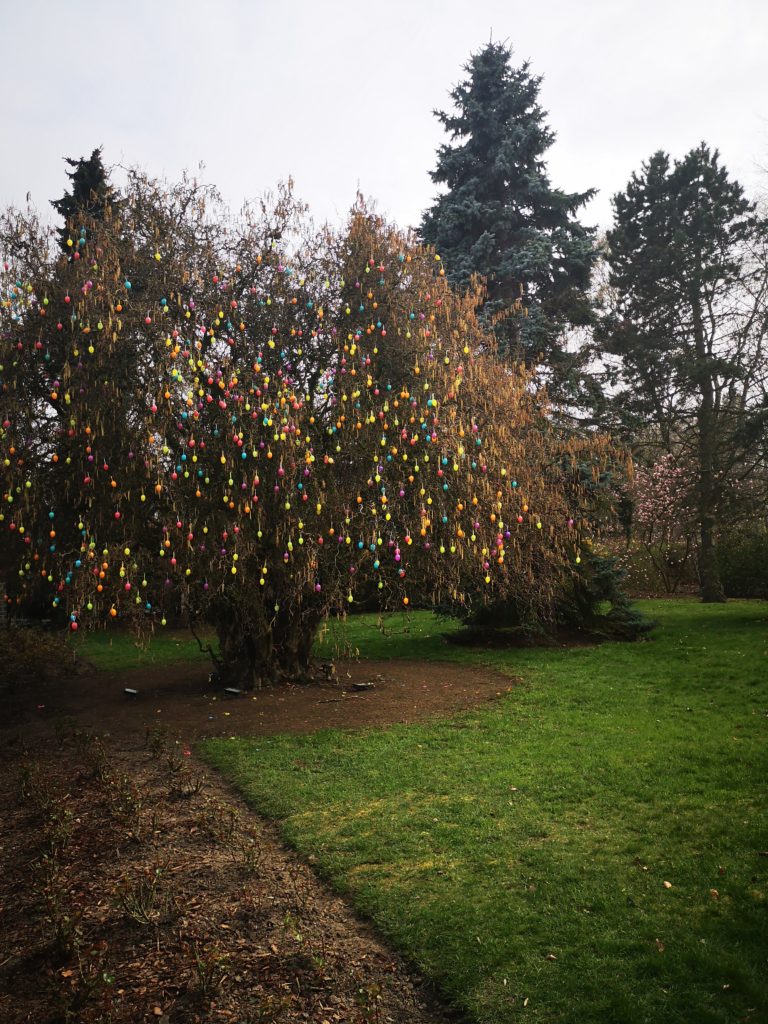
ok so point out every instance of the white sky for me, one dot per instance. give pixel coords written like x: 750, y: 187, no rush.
x: 339, y: 94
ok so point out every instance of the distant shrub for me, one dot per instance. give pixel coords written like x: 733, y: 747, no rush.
x: 743, y: 560
x: 594, y: 603
x: 643, y: 576
x: 598, y: 600
x: 664, y: 523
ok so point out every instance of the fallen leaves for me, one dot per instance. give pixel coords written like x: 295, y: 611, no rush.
x: 267, y: 927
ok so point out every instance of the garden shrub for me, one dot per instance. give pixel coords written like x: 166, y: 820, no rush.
x: 644, y: 578
x: 743, y: 563
x: 30, y: 654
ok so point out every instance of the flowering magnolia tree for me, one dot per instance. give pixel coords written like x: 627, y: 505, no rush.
x: 256, y: 425
x: 665, y: 517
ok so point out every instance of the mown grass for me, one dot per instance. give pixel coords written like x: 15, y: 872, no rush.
x: 519, y: 853
x: 116, y: 650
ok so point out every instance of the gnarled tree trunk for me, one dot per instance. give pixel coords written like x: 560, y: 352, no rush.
x: 255, y: 653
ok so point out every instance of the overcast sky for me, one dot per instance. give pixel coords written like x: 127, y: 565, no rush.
x: 339, y: 94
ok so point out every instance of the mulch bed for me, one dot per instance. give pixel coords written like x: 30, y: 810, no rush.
x: 136, y: 886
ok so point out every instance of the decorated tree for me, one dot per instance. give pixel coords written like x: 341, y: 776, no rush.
x: 500, y: 217
x: 106, y: 375
x: 252, y: 424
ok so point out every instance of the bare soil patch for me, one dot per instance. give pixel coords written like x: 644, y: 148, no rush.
x: 181, y: 697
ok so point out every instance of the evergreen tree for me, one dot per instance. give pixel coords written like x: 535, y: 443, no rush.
x: 501, y: 218
x: 688, y: 323
x: 90, y: 197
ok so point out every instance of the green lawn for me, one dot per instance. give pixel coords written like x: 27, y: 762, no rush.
x: 520, y: 853
x: 115, y: 650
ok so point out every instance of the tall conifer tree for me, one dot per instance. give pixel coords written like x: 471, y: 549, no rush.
x: 689, y: 277
x: 501, y: 218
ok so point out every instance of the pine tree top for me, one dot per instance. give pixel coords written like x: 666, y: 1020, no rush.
x: 90, y: 195
x: 678, y: 225
x: 500, y: 216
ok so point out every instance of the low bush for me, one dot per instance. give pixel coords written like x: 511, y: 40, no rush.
x: 30, y: 654
x: 655, y: 573
x: 743, y: 561
x: 593, y: 602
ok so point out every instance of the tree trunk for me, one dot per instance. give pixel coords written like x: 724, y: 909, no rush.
x: 709, y: 573
x: 244, y: 659
x: 294, y: 636
x: 252, y: 655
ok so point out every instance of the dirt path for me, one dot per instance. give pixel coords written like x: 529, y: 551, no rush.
x: 236, y: 928
x: 181, y: 697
